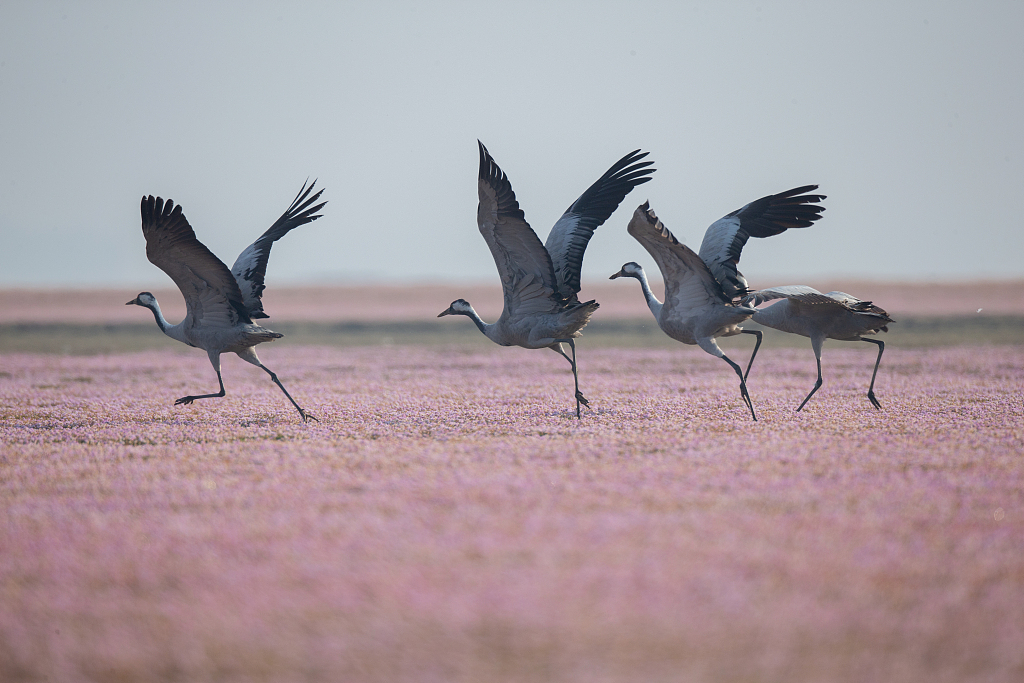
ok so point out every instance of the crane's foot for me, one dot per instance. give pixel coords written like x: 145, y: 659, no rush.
x: 580, y: 400
x: 817, y: 385
x: 874, y: 401
x: 185, y: 400
x: 306, y: 417
x: 750, y: 404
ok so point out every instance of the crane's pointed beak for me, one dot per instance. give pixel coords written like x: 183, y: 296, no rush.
x: 617, y: 275
x: 445, y: 312
x: 133, y: 301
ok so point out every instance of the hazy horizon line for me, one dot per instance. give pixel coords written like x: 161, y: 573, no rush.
x: 354, y: 282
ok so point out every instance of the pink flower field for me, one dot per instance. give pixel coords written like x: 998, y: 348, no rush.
x: 448, y: 519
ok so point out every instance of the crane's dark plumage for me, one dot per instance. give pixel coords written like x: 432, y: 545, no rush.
x: 540, y: 281
x: 695, y: 310
x: 835, y: 315
x: 505, y: 197
x: 171, y: 243
x: 764, y: 217
x: 250, y: 267
x: 570, y: 236
x: 220, y: 303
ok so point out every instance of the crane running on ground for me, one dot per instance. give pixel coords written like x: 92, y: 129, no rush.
x: 702, y: 290
x: 836, y: 315
x: 221, y: 303
x: 541, y: 281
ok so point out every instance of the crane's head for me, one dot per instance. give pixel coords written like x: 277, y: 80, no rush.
x: 458, y: 307
x: 631, y: 269
x: 144, y: 299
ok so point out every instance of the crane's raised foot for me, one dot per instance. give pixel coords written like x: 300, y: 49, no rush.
x: 186, y: 400
x: 874, y: 401
x: 306, y: 417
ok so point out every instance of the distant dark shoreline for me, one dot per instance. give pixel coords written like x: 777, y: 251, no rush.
x: 87, y: 339
x: 373, y: 303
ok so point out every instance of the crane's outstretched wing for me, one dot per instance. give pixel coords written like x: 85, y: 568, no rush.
x: 211, y: 293
x: 765, y: 217
x: 809, y: 296
x: 688, y: 281
x: 527, y: 277
x: 569, y: 237
x: 251, y: 265
x: 797, y: 292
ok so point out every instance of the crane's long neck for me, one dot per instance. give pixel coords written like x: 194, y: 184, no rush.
x: 175, y: 332
x: 161, y: 321
x: 480, y: 324
x: 652, y: 301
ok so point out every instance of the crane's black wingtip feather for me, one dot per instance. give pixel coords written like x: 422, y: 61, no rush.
x: 485, y: 161
x: 635, y: 155
x: 797, y: 190
x: 495, y: 178
x: 155, y: 207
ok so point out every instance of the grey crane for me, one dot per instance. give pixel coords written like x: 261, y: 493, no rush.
x: 836, y: 315
x: 221, y: 303
x: 702, y: 290
x: 541, y: 281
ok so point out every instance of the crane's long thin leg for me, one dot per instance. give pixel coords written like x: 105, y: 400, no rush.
x: 580, y: 398
x: 757, y: 345
x: 816, y: 345
x: 743, y: 386
x: 871, y: 389
x: 215, y: 360
x: 305, y: 416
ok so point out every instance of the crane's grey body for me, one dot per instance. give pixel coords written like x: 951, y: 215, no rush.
x: 539, y: 331
x: 695, y: 310
x: 701, y: 290
x: 695, y: 320
x: 212, y: 332
x: 220, y: 302
x: 540, y: 282
x: 805, y: 311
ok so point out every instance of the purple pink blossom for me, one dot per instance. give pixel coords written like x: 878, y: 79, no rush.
x: 450, y: 520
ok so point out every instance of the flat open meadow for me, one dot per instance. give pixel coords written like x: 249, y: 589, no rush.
x: 448, y: 519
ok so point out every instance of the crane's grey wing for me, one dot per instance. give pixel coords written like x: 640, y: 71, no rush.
x: 211, y: 293
x: 688, y: 281
x: 569, y: 237
x: 859, y: 305
x: 527, y: 277
x: 808, y: 296
x: 765, y: 217
x: 795, y: 292
x: 847, y: 299
x: 250, y: 267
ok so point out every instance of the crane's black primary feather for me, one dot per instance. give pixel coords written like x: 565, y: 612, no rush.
x: 250, y: 267
x: 172, y: 246
x: 724, y: 240
x: 490, y: 173
x: 527, y: 277
x: 567, y: 242
x: 777, y: 213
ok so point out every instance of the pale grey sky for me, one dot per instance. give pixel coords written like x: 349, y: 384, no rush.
x: 909, y: 115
